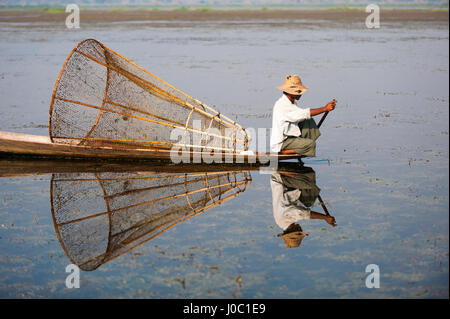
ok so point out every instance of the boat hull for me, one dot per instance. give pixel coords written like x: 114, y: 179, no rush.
x: 41, y: 146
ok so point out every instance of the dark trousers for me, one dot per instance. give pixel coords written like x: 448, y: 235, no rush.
x: 304, y: 145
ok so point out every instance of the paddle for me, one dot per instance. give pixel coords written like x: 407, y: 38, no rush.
x: 326, y: 210
x: 323, y: 117
x: 323, y: 205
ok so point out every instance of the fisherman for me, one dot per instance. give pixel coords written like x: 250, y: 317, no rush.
x: 293, y: 129
x: 292, y: 195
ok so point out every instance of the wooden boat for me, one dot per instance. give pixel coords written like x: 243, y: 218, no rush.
x: 41, y: 146
x: 105, y: 106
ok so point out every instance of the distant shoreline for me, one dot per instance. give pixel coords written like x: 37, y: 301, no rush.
x: 117, y: 15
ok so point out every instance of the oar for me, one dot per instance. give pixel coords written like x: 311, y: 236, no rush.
x: 325, y: 209
x: 323, y: 205
x: 323, y: 117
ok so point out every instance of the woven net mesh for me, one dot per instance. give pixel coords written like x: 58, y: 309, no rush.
x: 99, y: 217
x: 104, y: 99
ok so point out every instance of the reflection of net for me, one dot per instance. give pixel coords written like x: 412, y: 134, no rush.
x: 102, y: 98
x: 98, y: 217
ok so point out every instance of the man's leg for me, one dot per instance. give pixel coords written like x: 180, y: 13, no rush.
x: 306, y: 182
x: 300, y: 145
x: 309, y: 129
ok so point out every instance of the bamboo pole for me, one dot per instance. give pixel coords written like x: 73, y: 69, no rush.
x: 174, y: 223
x: 146, y: 189
x: 143, y: 143
x: 174, y: 176
x: 140, y: 118
x: 141, y: 204
x: 174, y: 88
x: 160, y: 91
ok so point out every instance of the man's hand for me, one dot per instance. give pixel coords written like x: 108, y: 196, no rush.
x: 327, y: 108
x: 331, y: 220
x: 330, y: 105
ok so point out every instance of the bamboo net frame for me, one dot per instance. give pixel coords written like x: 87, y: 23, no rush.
x: 101, y: 216
x: 103, y: 99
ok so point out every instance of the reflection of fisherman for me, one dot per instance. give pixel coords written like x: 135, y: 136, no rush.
x: 289, y: 192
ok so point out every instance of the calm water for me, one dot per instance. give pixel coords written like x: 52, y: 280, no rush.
x: 382, y: 165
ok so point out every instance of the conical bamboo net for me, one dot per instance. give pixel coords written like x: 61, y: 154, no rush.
x: 102, y: 98
x: 100, y: 216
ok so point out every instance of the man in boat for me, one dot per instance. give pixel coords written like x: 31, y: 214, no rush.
x: 292, y: 195
x: 293, y: 128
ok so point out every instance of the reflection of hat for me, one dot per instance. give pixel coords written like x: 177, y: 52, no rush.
x: 293, y: 85
x: 293, y: 236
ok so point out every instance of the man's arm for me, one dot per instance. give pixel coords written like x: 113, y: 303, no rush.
x: 329, y: 219
x: 327, y: 108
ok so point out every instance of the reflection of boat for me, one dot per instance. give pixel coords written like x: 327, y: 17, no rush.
x: 10, y: 167
x: 100, y: 216
x: 20, y: 166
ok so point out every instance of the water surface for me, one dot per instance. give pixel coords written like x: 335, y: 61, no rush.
x: 382, y: 161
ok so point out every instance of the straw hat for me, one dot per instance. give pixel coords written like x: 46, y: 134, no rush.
x: 293, y: 85
x: 293, y: 238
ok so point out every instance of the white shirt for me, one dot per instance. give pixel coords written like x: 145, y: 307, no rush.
x: 285, y: 212
x: 285, y: 119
